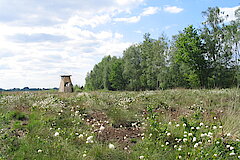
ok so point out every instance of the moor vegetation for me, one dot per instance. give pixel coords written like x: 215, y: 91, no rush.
x: 150, y: 125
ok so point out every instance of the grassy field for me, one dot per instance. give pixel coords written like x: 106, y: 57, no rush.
x: 153, y: 125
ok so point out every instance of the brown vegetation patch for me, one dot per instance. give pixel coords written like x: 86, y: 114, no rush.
x: 125, y: 136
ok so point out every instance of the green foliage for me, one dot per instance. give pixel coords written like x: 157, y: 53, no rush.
x: 190, y: 52
x: 186, y: 138
x: 207, y: 57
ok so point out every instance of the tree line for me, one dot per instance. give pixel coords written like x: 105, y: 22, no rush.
x: 207, y: 57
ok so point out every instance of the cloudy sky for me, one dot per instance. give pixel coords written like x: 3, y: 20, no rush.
x: 43, y: 39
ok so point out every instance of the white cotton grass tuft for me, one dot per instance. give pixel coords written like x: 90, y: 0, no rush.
x: 89, y: 139
x: 56, y: 134
x: 195, y: 145
x: 184, y: 139
x: 194, y: 139
x: 232, y: 154
x: 111, y: 146
x: 141, y: 157
x: 101, y: 128
x: 39, y: 151
x: 80, y: 136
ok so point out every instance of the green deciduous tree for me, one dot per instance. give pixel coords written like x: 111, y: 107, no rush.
x: 189, y: 53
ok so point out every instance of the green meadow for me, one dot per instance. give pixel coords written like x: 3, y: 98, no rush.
x: 106, y: 125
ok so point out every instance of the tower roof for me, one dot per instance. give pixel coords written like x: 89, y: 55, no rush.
x: 66, y: 75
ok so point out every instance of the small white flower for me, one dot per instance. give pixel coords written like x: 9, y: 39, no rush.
x: 177, y: 125
x: 101, y: 128
x: 203, y: 134
x: 167, y: 143
x: 162, y: 145
x: 84, y: 155
x: 214, y: 127
x: 217, y: 142
x: 232, y: 154
x: 169, y: 123
x: 238, y: 157
x: 206, y: 126
x: 184, y: 135
x: 56, y: 134
x: 201, y: 124
x: 215, y: 155
x: 195, y: 145
x: 194, y: 139
x: 80, y: 136
x: 209, y: 141
x: 237, y: 140
x: 179, y: 149
x: 179, y: 157
x: 231, y: 148
x: 229, y: 134
x: 141, y: 157
x: 209, y: 133
x: 190, y: 134
x: 192, y: 128
x: 228, y: 146
x: 185, y: 132
x: 184, y: 139
x: 184, y: 125
x: 168, y: 134
x: 200, y: 142
x: 220, y: 127
x: 89, y: 139
x: 214, y: 117
x: 197, y: 128
x: 39, y: 151
x: 111, y: 146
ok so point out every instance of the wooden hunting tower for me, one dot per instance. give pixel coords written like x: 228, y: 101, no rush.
x: 66, y: 84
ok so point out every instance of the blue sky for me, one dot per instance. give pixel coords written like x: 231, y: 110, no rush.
x: 41, y: 40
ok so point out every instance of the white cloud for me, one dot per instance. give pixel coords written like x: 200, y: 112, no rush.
x: 133, y: 19
x: 89, y: 21
x: 150, y: 11
x: 29, y: 61
x: 128, y: 2
x: 170, y: 26
x: 230, y: 12
x: 118, y: 35
x: 172, y: 9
